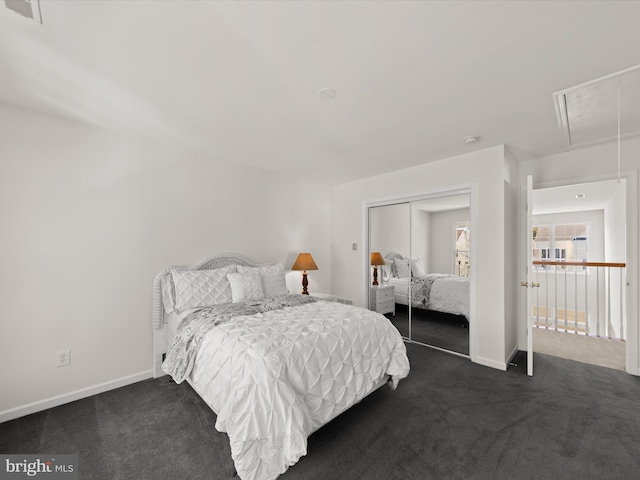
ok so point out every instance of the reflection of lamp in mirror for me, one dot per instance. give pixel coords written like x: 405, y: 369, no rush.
x: 376, y: 259
x: 304, y: 262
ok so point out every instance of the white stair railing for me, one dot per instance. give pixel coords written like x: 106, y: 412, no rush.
x: 577, y: 297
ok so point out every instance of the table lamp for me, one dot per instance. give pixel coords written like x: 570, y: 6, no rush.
x: 304, y: 262
x: 376, y: 259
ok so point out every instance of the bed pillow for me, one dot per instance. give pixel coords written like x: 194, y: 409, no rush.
x: 201, y: 288
x: 417, y: 269
x: 403, y: 269
x: 272, y: 276
x: 245, y: 287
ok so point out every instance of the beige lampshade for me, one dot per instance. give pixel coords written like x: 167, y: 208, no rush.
x: 304, y: 262
x: 376, y: 259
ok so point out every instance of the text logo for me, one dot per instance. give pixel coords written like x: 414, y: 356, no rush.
x: 41, y: 466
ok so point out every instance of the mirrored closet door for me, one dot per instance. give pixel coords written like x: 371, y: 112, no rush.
x: 389, y: 227
x: 425, y: 244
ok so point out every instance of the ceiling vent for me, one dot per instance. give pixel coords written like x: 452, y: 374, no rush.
x: 24, y: 7
x: 592, y: 112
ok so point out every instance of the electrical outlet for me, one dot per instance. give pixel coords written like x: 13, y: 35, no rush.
x: 64, y: 358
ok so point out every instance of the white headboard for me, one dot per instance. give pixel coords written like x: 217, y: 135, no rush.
x: 159, y: 332
x: 391, y: 255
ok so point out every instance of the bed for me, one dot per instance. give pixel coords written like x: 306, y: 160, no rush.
x: 274, y: 367
x: 430, y: 291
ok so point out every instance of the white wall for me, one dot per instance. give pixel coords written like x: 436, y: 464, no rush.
x: 615, y: 241
x: 390, y: 229
x: 592, y: 164
x: 614, y: 225
x: 485, y: 170
x: 89, y: 217
x: 511, y: 285
x: 420, y: 233
x: 443, y: 237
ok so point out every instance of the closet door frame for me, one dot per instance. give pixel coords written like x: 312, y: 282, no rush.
x: 471, y: 190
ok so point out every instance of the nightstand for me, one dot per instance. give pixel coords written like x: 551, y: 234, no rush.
x: 382, y: 299
x: 325, y: 296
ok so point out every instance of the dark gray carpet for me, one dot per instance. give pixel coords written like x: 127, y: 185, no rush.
x: 442, y: 330
x: 450, y: 419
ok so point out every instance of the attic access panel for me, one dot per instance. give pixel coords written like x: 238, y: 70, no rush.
x: 588, y: 113
x: 25, y: 8
x: 21, y: 7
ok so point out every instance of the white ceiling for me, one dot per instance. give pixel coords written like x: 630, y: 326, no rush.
x: 575, y: 198
x: 443, y: 204
x: 239, y: 80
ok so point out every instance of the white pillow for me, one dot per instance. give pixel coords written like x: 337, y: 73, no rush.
x: 201, y: 288
x: 403, y: 269
x: 245, y: 287
x: 273, y: 281
x: 417, y: 269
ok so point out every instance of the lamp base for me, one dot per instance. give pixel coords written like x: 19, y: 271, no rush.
x: 375, y: 276
x: 305, y: 283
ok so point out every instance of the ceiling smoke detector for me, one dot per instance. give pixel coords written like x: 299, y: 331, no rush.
x: 326, y: 93
x: 470, y: 140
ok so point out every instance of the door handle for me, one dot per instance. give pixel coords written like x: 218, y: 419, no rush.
x: 535, y: 285
x: 524, y: 284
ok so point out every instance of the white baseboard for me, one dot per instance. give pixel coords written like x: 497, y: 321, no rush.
x: 487, y: 362
x: 513, y: 353
x: 51, y: 402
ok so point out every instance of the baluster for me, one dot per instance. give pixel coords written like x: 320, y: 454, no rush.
x: 537, y: 304
x: 546, y: 297
x: 622, y: 290
x: 566, y: 317
x: 598, y: 301
x: 608, y: 324
x: 586, y: 301
x: 575, y: 300
x: 555, y: 298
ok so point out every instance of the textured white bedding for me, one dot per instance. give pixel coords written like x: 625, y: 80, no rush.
x: 448, y: 293
x: 173, y: 322
x: 275, y: 377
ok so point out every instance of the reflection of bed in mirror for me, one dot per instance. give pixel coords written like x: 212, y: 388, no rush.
x: 438, y: 292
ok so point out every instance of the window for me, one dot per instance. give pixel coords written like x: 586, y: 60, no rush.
x: 462, y: 250
x: 560, y: 243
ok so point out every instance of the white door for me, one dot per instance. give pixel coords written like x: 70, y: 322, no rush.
x: 529, y: 283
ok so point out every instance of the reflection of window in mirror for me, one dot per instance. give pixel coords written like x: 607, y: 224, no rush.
x: 462, y: 250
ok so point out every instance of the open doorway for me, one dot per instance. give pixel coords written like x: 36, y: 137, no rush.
x: 578, y: 243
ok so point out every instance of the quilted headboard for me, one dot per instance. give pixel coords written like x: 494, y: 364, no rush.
x: 216, y: 261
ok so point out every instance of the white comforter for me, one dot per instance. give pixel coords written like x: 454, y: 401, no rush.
x: 450, y: 294
x: 441, y: 292
x: 275, y: 377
